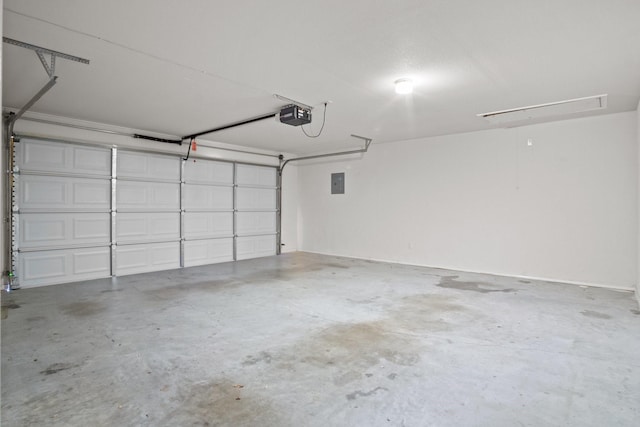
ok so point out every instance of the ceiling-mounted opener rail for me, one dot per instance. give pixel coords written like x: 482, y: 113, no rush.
x: 49, y: 67
x: 306, y: 111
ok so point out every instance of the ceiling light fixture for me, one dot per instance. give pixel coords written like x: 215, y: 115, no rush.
x: 404, y: 86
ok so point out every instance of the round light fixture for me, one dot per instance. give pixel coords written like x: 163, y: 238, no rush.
x: 404, y: 86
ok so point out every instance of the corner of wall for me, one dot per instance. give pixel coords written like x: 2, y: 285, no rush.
x: 2, y: 165
x: 638, y: 213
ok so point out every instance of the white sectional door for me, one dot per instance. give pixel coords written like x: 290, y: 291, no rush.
x: 207, y: 203
x: 147, y: 220
x: 62, y: 212
x: 256, y: 211
x: 76, y: 218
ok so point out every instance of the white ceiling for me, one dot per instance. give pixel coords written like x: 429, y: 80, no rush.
x: 178, y: 67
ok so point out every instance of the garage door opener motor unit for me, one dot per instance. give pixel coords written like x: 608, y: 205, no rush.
x: 295, y: 115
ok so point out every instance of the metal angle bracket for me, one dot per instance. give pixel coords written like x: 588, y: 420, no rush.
x: 50, y: 68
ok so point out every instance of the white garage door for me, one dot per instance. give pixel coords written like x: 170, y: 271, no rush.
x: 147, y: 226
x: 77, y: 218
x: 207, y: 198
x: 256, y: 211
x: 62, y: 211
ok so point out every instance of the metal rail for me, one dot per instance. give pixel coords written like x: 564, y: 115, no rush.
x: 231, y: 125
x: 132, y: 135
x: 340, y: 153
x: 367, y: 142
x: 45, y: 50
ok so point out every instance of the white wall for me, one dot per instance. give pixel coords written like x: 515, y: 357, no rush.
x: 563, y: 209
x: 638, y: 171
x: 3, y: 175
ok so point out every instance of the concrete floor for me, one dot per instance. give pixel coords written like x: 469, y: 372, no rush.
x: 310, y: 340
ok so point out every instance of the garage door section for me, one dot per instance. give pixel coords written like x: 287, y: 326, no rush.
x: 256, y: 210
x: 82, y: 212
x: 62, y: 208
x: 207, y: 203
x: 147, y: 203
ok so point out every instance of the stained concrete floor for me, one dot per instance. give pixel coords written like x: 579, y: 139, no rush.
x: 311, y: 340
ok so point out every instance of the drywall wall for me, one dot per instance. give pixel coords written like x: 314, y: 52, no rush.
x: 3, y: 176
x: 562, y: 207
x: 638, y: 172
x: 205, y: 150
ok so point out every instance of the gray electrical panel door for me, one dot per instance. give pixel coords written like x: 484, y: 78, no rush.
x: 337, y: 183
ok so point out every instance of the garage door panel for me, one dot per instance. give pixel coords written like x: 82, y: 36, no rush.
x: 140, y: 227
x: 142, y: 258
x: 255, y: 223
x: 60, y: 266
x: 91, y: 193
x: 207, y: 197
x: 255, y: 198
x: 147, y: 196
x: 208, y: 172
x: 201, y: 252
x: 146, y: 166
x: 49, y: 156
x: 64, y: 225
x: 58, y: 229
x: 63, y: 193
x: 250, y: 175
x: 198, y: 225
x: 255, y: 247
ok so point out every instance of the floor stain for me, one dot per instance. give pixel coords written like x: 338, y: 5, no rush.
x: 356, y: 347
x: 595, y: 314
x: 57, y: 367
x: 526, y: 282
x: 83, y: 308
x: 634, y: 311
x: 364, y: 301
x: 6, y: 306
x: 451, y: 282
x: 431, y: 313
x: 359, y: 393
x: 220, y: 403
x: 262, y: 357
x: 392, y: 376
x: 180, y: 291
x: 107, y: 291
x: 334, y: 265
x: 347, y: 378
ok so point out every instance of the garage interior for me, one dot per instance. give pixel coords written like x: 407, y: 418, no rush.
x: 345, y: 213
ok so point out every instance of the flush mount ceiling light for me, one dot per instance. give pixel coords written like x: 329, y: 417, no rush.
x: 549, y: 110
x: 404, y: 86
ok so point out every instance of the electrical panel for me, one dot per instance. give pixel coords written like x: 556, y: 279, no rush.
x: 337, y: 183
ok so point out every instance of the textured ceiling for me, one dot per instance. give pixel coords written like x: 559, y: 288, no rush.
x: 181, y: 67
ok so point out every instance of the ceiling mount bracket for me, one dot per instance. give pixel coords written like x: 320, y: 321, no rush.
x: 50, y: 68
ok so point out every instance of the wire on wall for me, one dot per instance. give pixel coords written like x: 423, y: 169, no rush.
x: 324, y: 119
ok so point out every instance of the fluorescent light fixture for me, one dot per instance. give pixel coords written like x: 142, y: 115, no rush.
x: 559, y: 108
x: 404, y: 86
